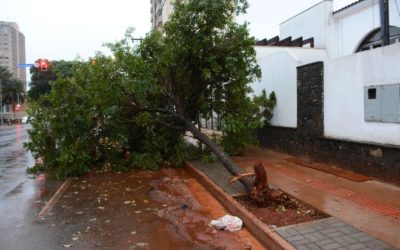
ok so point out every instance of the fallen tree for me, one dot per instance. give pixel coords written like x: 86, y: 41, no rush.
x: 146, y: 96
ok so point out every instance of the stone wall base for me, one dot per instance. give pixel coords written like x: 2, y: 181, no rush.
x: 379, y: 161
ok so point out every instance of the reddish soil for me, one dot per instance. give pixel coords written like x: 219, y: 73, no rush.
x: 166, y: 209
x: 283, y: 212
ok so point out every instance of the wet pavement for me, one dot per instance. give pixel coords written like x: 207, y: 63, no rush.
x: 371, y: 206
x: 166, y: 209
x: 21, y: 196
x: 366, y: 215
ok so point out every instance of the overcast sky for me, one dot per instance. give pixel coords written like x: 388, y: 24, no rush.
x: 64, y: 29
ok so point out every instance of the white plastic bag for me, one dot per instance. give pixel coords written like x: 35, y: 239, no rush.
x: 228, y: 222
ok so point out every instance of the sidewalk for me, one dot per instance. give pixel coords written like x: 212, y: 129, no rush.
x: 362, y: 212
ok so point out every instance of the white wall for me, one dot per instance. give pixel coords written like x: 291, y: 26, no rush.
x: 279, y: 74
x: 345, y: 79
x: 353, y: 24
x: 313, y: 22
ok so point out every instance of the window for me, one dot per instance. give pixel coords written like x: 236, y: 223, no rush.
x: 372, y: 93
x: 373, y: 39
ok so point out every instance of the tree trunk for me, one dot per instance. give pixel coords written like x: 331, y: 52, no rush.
x: 220, y: 154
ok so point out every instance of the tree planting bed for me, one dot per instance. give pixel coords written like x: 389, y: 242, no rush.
x: 282, y: 211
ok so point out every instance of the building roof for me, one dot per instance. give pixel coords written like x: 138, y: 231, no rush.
x: 348, y: 6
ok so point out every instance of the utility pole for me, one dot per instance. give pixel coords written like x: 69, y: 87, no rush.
x: 384, y: 12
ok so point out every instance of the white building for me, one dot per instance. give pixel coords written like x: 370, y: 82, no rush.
x: 360, y: 98
x: 160, y: 11
x: 337, y: 36
x: 12, y: 49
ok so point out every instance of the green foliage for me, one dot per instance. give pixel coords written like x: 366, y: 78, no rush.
x: 41, y: 80
x: 11, y: 89
x: 239, y: 128
x: 133, y: 109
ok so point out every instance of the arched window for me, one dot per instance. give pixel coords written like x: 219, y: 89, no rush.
x: 374, y: 39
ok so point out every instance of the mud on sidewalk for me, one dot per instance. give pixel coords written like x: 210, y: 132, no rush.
x: 166, y: 209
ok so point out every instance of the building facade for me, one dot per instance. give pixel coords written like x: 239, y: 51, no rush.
x: 12, y: 49
x: 160, y: 11
x: 12, y: 53
x: 337, y: 87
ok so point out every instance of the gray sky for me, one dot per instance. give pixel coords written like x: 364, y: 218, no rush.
x: 63, y: 29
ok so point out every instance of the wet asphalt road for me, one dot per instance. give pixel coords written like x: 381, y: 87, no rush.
x: 21, y: 196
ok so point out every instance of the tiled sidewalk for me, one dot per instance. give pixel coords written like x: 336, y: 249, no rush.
x: 328, y: 234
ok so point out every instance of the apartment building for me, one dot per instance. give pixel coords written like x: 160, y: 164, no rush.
x: 160, y: 12
x: 12, y: 49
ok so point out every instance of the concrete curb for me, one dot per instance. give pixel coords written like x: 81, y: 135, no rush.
x: 54, y: 199
x: 262, y: 232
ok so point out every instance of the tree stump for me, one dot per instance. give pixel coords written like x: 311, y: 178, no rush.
x: 261, y: 192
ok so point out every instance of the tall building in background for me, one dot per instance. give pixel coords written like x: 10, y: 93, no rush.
x: 12, y: 50
x: 160, y: 12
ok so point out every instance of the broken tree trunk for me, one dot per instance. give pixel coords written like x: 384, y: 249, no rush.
x: 220, y: 154
x: 261, y: 192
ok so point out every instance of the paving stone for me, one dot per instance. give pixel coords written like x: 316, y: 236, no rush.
x: 347, y: 229
x: 339, y: 223
x: 303, y: 247
x: 292, y: 231
x: 341, y: 241
x: 283, y: 233
x: 330, y: 246
x: 357, y: 235
x: 334, y: 234
x: 314, y: 237
x: 324, y: 242
x: 295, y: 238
x: 378, y: 245
x: 357, y: 246
x: 349, y: 239
x: 308, y: 230
x: 364, y: 238
x: 328, y: 230
x: 313, y: 246
x: 300, y: 242
x: 318, y: 227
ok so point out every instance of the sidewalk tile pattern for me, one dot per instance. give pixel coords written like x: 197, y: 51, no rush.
x: 329, y: 234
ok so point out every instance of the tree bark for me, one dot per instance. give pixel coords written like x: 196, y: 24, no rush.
x: 220, y: 154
